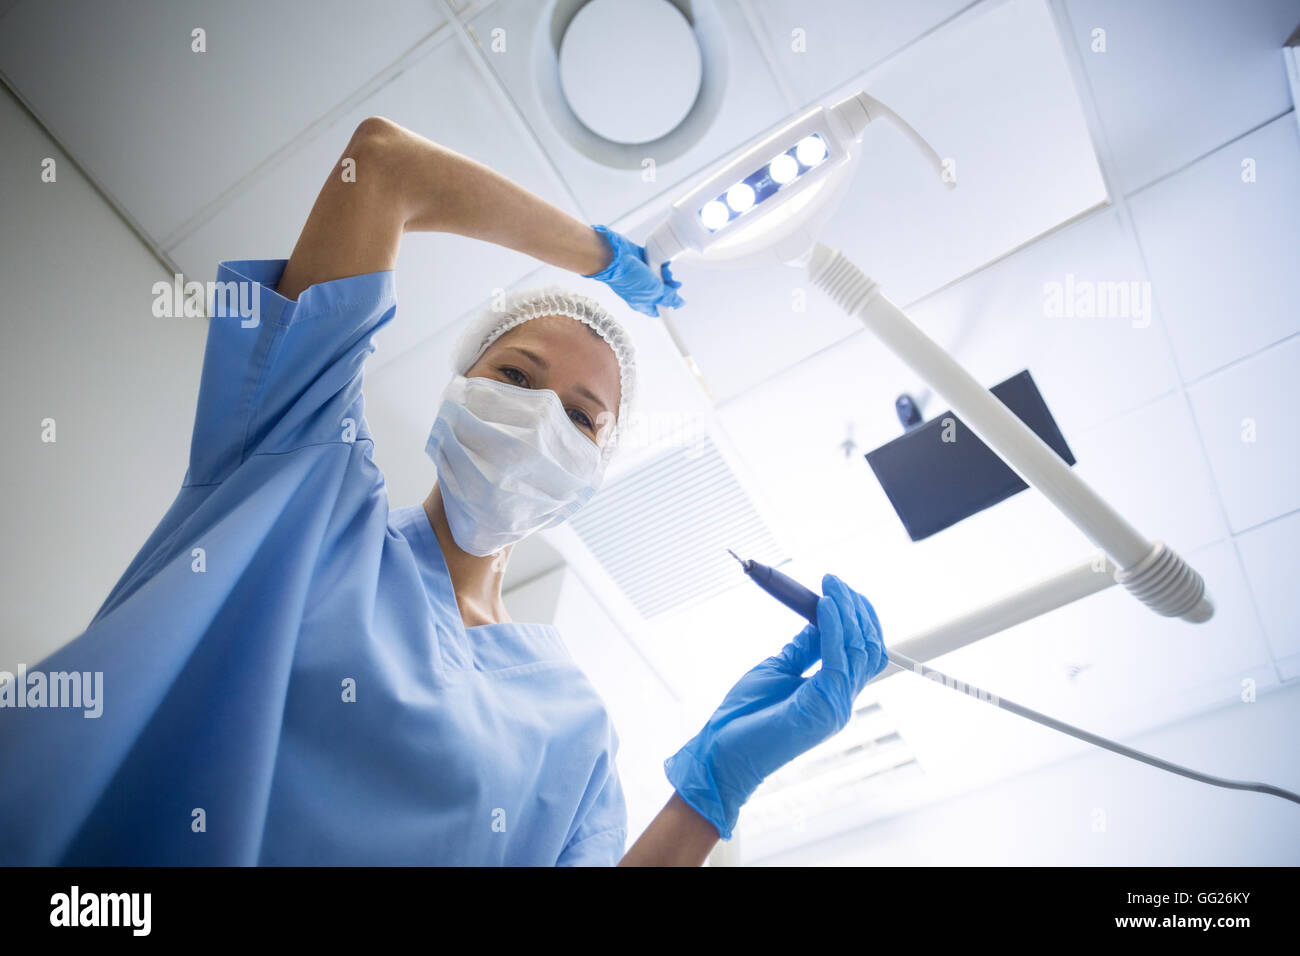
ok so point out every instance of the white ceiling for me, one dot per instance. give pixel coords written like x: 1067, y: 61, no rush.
x: 219, y: 156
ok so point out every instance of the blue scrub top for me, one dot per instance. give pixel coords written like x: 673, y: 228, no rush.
x: 286, y: 675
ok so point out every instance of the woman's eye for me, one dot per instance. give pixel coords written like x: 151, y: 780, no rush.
x: 517, y: 377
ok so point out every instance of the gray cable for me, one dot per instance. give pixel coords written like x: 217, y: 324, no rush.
x: 923, y: 670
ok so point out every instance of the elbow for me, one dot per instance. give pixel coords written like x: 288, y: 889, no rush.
x: 374, y: 128
x: 375, y: 139
x: 378, y: 156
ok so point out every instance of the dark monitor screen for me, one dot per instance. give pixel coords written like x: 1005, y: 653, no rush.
x: 933, y: 483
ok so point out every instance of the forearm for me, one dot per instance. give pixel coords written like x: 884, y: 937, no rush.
x: 443, y: 191
x: 678, y: 836
x: 390, y: 181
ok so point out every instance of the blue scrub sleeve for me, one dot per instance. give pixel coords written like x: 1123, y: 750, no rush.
x: 601, y: 839
x: 277, y: 375
x: 281, y: 374
x: 605, y: 848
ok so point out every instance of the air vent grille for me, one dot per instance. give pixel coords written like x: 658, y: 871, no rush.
x: 661, y: 532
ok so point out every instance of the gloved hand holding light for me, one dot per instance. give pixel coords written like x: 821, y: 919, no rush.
x: 650, y: 289
x: 629, y: 274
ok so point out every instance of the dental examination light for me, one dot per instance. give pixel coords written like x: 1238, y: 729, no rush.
x: 766, y: 205
x: 793, y: 178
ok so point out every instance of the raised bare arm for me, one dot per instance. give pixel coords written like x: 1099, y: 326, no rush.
x: 406, y: 183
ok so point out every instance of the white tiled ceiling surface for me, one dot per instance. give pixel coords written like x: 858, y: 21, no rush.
x: 219, y: 155
x: 169, y: 131
x: 1225, y: 311
x: 1179, y: 78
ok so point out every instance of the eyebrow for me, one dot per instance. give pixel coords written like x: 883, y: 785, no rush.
x: 580, y: 389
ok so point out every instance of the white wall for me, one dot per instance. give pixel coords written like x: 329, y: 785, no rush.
x: 1147, y: 817
x: 82, y: 347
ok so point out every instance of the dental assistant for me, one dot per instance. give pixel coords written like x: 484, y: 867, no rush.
x: 296, y: 673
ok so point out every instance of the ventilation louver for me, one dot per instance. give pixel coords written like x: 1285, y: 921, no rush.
x: 661, y: 532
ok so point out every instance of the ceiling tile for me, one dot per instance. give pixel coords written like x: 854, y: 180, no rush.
x: 1178, y: 78
x: 439, y: 276
x: 1148, y: 464
x: 743, y: 327
x: 1289, y: 667
x: 169, y: 130
x: 992, y: 91
x: 1222, y: 252
x: 841, y: 38
x: 1271, y: 555
x: 1089, y: 367
x: 1246, y: 415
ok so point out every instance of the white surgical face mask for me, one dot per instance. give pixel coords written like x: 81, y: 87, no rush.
x: 510, y: 462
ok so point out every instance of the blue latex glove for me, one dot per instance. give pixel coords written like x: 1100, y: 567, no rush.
x: 630, y: 276
x: 774, y: 714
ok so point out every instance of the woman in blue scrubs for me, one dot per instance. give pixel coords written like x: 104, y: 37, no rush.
x: 294, y: 673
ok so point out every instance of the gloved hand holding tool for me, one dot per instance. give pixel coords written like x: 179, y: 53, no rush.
x: 774, y: 713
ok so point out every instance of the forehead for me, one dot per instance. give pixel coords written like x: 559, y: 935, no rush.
x: 574, y: 352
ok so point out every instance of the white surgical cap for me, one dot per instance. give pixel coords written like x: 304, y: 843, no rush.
x: 518, y: 307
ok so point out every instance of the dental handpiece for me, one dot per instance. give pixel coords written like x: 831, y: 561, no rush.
x: 804, y: 603
x: 785, y: 589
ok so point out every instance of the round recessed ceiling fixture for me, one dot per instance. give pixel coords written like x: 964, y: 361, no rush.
x: 630, y: 69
